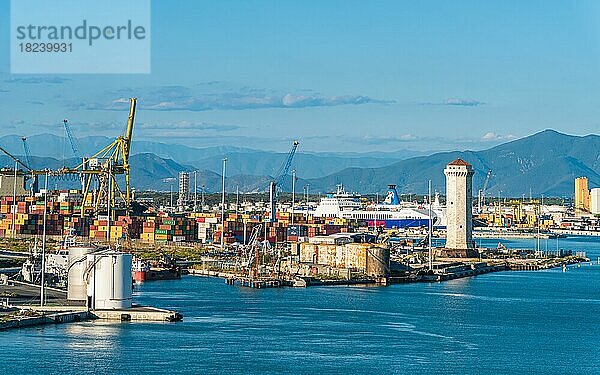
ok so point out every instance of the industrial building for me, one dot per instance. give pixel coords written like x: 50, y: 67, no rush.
x: 582, y: 195
x: 366, y: 258
x: 184, y: 189
x: 595, y: 201
x: 7, y: 182
x: 459, y: 192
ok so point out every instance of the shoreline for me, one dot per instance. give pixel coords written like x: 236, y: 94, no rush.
x: 469, y: 268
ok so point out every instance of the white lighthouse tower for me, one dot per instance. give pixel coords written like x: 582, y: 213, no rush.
x: 459, y: 208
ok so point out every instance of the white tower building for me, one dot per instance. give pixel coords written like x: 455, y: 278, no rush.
x: 184, y: 188
x: 459, y: 207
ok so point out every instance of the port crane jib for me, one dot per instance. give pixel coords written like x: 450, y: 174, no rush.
x: 70, y: 137
x: 481, y: 197
x: 27, y: 152
x: 34, y: 179
x: 278, y: 179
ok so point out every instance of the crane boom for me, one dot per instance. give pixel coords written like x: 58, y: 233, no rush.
x: 15, y: 159
x: 487, y: 181
x: 27, y: 152
x: 130, y: 120
x: 127, y: 149
x: 485, y: 185
x: 281, y: 173
x: 285, y: 168
x: 70, y: 136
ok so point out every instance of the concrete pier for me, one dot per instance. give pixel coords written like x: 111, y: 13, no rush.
x: 42, y: 318
x: 139, y: 313
x: 22, y: 309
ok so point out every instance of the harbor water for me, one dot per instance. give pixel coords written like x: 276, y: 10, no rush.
x: 545, y: 322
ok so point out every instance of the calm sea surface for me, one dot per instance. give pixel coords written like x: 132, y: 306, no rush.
x: 545, y: 322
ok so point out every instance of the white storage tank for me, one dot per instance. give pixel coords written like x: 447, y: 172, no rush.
x: 595, y: 201
x: 77, y: 263
x: 110, y: 283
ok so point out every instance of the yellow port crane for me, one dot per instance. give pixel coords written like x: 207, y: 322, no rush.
x: 103, y: 168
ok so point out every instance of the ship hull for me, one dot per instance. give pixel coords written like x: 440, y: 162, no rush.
x: 157, y: 274
x: 139, y: 276
x: 399, y: 223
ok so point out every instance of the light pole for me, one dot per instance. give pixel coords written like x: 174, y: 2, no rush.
x: 202, y: 199
x: 169, y: 180
x: 109, y: 201
x: 195, y: 191
x: 171, y: 195
x: 538, y: 218
x: 307, y: 186
x: 430, y: 226
x: 14, y: 202
x: 293, y: 194
x: 42, y: 294
x: 223, y: 205
x: 376, y: 216
x: 237, y: 199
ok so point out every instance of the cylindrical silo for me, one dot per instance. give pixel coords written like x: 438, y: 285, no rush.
x: 77, y: 286
x: 109, y: 282
x: 378, y: 261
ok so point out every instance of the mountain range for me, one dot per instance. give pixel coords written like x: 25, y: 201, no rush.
x: 242, y: 160
x: 543, y: 163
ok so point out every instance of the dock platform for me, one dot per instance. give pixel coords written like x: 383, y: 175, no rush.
x: 22, y: 309
x: 140, y: 314
x: 254, y: 283
x: 33, y: 318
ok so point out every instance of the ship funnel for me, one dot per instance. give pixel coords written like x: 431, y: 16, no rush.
x: 392, y: 196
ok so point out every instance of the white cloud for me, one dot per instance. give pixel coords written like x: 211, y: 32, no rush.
x: 221, y: 97
x: 463, y: 102
x: 491, y: 136
x: 186, y: 125
x: 459, y: 102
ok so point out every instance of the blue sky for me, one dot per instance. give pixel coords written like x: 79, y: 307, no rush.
x: 338, y: 75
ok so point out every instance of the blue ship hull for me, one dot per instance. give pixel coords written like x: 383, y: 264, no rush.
x: 400, y: 223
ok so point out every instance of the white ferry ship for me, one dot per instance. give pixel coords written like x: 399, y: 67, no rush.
x: 390, y: 214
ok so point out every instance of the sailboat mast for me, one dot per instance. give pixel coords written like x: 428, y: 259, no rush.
x: 430, y: 226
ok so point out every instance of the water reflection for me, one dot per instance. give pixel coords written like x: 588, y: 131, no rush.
x: 93, y: 336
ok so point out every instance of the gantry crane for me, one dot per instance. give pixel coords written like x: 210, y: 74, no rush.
x: 105, y: 165
x: 103, y: 168
x: 279, y: 176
